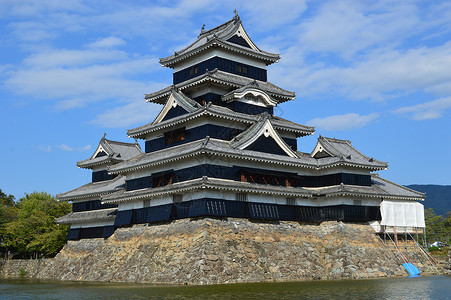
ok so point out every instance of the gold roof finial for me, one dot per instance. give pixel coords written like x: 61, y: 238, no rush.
x: 203, y: 28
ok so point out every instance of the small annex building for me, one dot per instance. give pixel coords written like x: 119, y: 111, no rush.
x: 216, y: 149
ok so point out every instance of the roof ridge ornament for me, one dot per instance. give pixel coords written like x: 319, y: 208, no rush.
x: 236, y: 16
x: 206, y: 140
x: 202, y: 30
x: 104, y: 135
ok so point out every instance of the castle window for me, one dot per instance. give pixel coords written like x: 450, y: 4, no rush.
x: 146, y: 203
x: 243, y: 178
x: 241, y: 197
x: 244, y: 70
x: 174, y: 136
x: 289, y: 182
x: 177, y: 198
x: 162, y: 180
x: 357, y: 202
x: 238, y: 68
x: 291, y: 201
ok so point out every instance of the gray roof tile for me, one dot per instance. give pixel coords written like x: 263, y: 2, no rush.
x: 220, y: 112
x: 380, y: 188
x: 218, y: 37
x: 86, y: 216
x: 223, y: 148
x: 344, y: 150
x: 116, y: 152
x: 223, y: 78
x: 94, y: 189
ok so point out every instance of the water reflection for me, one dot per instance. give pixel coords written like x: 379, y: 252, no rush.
x: 433, y: 287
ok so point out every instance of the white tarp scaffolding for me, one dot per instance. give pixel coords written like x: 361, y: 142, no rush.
x: 402, y: 213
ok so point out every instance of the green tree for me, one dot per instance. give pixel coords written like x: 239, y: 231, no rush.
x: 34, y: 230
x: 7, y: 200
x: 447, y: 227
x: 8, y: 213
x: 437, y: 228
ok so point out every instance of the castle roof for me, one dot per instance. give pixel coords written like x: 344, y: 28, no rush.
x: 110, y: 152
x: 263, y: 127
x: 93, y: 189
x: 224, y: 149
x: 381, y: 188
x: 230, y: 36
x: 176, y: 98
x: 108, y: 214
x: 205, y: 183
x: 219, y: 77
x: 331, y: 148
x: 253, y: 89
x: 222, y: 113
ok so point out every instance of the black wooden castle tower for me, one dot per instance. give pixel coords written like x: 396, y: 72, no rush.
x: 216, y: 149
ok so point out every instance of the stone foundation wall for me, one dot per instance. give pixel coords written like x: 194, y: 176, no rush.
x: 212, y: 251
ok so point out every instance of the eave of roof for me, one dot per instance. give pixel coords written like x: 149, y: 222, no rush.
x: 223, y: 113
x: 93, y: 189
x: 380, y: 189
x: 97, y: 161
x: 222, y: 149
x: 115, y: 152
x: 347, y: 153
x: 86, y: 216
x: 204, y: 183
x: 218, y: 37
x: 222, y: 78
x: 373, y: 191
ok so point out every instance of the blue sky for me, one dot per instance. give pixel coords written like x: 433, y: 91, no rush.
x: 375, y: 72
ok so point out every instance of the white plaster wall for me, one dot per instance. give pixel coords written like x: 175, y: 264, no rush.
x: 196, y: 123
x: 203, y: 89
x: 91, y: 224
x: 86, y: 199
x: 99, y: 168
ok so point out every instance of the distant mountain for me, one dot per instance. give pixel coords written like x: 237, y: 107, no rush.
x: 438, y: 197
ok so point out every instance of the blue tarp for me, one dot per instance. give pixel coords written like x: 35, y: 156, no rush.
x: 413, y: 271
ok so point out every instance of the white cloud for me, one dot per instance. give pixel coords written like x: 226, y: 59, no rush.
x: 426, y: 111
x: 68, y: 57
x: 47, y: 148
x: 343, y: 122
x: 74, y: 78
x: 271, y: 14
x: 346, y: 27
x: 380, y: 75
x: 107, y: 42
x: 137, y: 112
x: 65, y: 147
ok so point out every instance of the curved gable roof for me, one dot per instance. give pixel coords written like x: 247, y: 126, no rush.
x: 222, y: 36
x: 110, y: 152
x: 262, y: 127
x: 327, y: 148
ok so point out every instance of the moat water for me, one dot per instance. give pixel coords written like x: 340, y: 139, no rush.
x: 428, y: 287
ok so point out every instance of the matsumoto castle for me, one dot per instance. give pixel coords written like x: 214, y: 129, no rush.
x: 216, y: 149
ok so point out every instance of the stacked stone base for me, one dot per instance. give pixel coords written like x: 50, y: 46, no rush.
x: 212, y: 251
